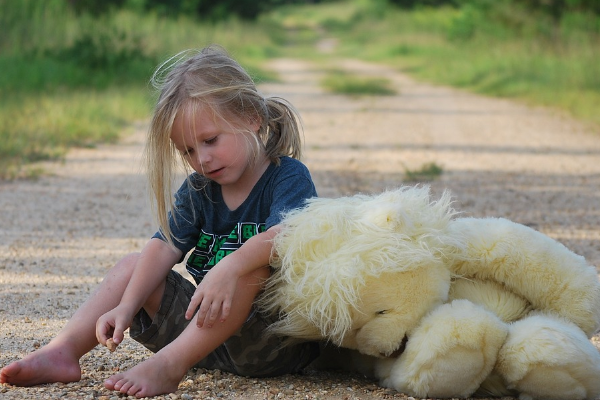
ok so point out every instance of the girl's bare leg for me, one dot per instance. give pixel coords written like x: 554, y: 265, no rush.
x: 162, y: 372
x: 58, y: 361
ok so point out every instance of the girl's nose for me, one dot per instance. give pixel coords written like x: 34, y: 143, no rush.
x: 204, y: 157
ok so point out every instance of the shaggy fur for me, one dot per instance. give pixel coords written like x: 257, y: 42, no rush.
x: 548, y: 357
x: 446, y: 338
x: 531, y: 265
x: 323, y: 262
x: 488, y: 306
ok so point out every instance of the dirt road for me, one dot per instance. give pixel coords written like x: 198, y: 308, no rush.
x: 59, y: 235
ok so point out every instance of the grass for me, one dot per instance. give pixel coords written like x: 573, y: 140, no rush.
x: 77, y: 80
x: 342, y: 82
x: 493, y: 48
x: 45, y: 126
x: 428, y: 172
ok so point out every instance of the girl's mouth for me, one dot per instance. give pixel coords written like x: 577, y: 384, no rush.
x: 214, y: 172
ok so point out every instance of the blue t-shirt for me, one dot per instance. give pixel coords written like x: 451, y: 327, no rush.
x: 203, y: 221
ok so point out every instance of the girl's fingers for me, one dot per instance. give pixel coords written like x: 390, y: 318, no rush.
x: 103, y: 333
x: 208, y: 313
x: 204, y: 314
x: 226, y: 308
x: 215, y: 310
x: 119, y: 333
x: 191, y: 310
x: 101, y: 337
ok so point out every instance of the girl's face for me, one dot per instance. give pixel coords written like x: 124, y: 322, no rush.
x: 213, y: 148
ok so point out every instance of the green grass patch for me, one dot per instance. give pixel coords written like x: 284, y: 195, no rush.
x: 343, y: 82
x: 44, y: 126
x: 427, y: 173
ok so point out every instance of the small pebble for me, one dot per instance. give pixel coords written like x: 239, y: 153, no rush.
x: 111, y: 345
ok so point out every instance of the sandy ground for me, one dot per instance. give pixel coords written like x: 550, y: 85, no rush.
x: 60, y: 234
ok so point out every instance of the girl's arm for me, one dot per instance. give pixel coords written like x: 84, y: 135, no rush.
x: 154, y: 263
x: 215, y: 293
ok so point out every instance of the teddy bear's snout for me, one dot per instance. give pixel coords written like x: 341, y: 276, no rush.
x: 397, y: 353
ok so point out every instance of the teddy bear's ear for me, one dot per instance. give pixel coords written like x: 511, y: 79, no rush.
x: 385, y: 215
x: 408, y: 210
x: 392, y: 210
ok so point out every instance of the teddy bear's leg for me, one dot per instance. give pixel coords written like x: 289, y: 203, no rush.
x: 546, y: 357
x: 449, y: 354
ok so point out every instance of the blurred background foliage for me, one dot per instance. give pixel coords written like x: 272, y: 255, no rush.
x: 75, y: 72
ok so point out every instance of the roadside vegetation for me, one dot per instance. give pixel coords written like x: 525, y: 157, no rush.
x: 542, y: 52
x: 343, y: 82
x: 72, y: 78
x: 426, y: 173
x: 75, y: 73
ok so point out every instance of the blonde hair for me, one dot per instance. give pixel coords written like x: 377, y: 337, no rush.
x: 211, y: 78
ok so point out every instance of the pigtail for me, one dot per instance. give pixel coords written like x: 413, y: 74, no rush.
x: 283, y: 133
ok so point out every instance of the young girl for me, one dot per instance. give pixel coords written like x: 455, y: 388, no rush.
x: 243, y: 150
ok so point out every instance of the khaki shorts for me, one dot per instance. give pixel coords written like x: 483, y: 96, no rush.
x: 248, y: 352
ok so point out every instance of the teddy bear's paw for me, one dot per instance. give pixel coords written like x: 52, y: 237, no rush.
x: 383, y: 370
x: 546, y: 357
x: 450, y: 353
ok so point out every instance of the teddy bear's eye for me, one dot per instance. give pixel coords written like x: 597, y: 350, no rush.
x: 382, y: 312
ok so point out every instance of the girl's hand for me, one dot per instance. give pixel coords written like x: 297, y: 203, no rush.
x: 214, y: 295
x: 112, y: 325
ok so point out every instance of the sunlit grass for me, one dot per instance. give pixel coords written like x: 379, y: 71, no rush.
x: 342, y: 82
x: 76, y: 80
x: 70, y: 80
x: 535, y: 60
x: 44, y: 126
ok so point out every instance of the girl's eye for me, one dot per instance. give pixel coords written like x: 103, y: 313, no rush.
x: 212, y: 140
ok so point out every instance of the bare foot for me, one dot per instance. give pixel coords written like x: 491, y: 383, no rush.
x: 157, y: 375
x: 46, y: 365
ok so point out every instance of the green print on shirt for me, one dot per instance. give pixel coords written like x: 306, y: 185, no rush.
x: 210, y: 248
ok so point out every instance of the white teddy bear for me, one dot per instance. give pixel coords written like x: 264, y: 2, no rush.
x: 438, y: 305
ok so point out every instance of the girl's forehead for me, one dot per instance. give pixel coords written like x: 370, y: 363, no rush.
x: 194, y: 119
x: 192, y: 125
x: 192, y: 112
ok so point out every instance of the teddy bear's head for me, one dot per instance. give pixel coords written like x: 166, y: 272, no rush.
x: 360, y: 271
